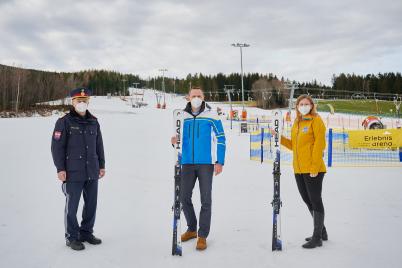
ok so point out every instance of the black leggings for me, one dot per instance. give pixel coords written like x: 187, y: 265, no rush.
x: 310, y: 189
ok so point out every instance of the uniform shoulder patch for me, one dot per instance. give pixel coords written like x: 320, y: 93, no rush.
x: 57, y: 135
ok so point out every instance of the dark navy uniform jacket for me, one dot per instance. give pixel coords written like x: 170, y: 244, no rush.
x: 77, y: 146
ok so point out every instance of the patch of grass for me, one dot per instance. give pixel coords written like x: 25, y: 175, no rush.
x: 369, y: 107
x: 246, y: 103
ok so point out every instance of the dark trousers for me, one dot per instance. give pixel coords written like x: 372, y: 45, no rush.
x: 310, y: 190
x: 73, y: 191
x: 204, y: 173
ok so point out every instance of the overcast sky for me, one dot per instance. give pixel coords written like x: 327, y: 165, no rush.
x: 300, y: 40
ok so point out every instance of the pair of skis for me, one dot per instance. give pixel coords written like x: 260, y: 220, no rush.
x: 276, y: 202
x: 177, y: 123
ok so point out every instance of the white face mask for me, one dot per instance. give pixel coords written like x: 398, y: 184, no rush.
x: 196, y: 102
x: 305, y: 109
x: 81, y: 107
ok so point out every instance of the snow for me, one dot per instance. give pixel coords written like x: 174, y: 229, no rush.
x: 134, y: 218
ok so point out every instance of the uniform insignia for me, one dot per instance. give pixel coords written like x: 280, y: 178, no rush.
x: 305, y: 129
x: 82, y: 92
x: 57, y: 135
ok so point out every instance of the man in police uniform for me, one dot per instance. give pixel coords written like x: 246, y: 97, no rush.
x: 77, y: 150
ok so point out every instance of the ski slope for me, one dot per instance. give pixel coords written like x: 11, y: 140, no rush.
x: 134, y: 218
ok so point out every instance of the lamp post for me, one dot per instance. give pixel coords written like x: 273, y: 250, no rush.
x: 241, y: 46
x: 163, y: 78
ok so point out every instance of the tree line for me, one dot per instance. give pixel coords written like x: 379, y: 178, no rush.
x: 371, y: 83
x: 24, y: 88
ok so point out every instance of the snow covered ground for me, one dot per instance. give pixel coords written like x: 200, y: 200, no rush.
x: 363, y: 205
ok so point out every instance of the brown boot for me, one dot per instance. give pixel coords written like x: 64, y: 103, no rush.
x: 188, y: 235
x: 201, y: 243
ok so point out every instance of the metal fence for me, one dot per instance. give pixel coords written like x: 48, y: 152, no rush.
x: 338, y: 151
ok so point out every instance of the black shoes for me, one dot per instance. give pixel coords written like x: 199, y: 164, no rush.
x: 75, y: 244
x: 91, y: 239
x: 324, y: 235
x: 313, y: 243
x: 316, y: 239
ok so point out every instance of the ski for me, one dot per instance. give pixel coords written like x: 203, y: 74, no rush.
x: 276, y: 202
x: 176, y: 245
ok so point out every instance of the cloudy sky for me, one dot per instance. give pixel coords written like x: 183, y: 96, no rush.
x: 299, y: 39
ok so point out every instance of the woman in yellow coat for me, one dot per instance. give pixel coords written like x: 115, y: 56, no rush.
x: 308, y: 143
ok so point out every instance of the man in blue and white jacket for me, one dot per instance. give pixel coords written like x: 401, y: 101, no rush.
x: 203, y: 154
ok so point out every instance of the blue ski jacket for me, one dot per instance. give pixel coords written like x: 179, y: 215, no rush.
x: 203, y: 137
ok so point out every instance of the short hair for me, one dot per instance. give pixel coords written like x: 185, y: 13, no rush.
x: 196, y: 88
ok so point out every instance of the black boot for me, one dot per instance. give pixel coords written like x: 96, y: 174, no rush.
x: 324, y: 234
x: 75, y: 244
x: 91, y: 239
x: 316, y: 240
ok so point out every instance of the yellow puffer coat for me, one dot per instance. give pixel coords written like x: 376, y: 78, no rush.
x: 308, y: 144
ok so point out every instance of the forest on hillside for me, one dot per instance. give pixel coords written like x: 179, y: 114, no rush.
x: 22, y: 89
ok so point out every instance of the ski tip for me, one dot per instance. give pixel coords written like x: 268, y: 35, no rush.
x: 177, y: 111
